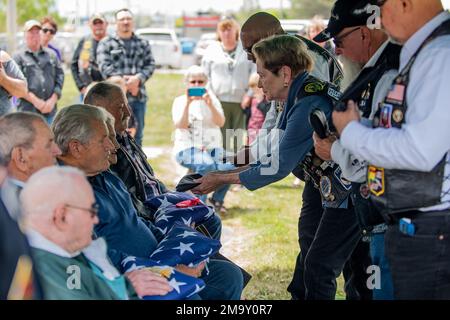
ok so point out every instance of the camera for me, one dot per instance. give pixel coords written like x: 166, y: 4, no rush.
x: 196, y: 92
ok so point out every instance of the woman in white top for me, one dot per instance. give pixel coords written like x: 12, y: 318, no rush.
x: 198, y: 139
x: 228, y: 71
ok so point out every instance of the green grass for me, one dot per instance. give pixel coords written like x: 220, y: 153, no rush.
x: 262, y: 224
x: 162, y: 89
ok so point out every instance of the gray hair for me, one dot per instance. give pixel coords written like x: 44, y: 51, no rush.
x: 193, y: 71
x: 76, y: 123
x: 109, y: 118
x: 38, y: 194
x: 17, y: 130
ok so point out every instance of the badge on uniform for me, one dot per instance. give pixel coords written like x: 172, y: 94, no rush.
x: 325, y: 188
x: 385, y: 115
x: 397, y: 116
x: 397, y: 94
x: 314, y: 87
x: 375, y: 180
x: 364, y: 191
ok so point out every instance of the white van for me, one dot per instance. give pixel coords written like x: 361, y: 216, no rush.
x: 166, y: 48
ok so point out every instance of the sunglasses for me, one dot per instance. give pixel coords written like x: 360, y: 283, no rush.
x: 197, y: 81
x: 93, y: 210
x: 52, y: 31
x: 338, y: 40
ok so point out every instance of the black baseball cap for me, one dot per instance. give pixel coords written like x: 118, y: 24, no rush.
x: 362, y: 6
x: 342, y: 16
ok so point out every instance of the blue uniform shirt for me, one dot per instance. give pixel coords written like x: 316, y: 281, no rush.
x: 295, y: 139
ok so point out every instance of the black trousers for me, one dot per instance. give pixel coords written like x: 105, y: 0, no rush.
x: 420, y: 263
x: 327, y: 239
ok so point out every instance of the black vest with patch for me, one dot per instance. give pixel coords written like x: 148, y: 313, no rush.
x: 395, y: 191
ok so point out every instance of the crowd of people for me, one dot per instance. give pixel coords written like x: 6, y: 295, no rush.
x: 79, y: 197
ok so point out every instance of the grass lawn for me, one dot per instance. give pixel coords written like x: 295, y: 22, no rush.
x: 260, y: 228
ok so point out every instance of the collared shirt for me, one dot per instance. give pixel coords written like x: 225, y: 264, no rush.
x: 38, y: 241
x: 152, y: 186
x: 354, y: 169
x: 423, y: 141
x: 228, y: 74
x: 10, y: 192
x: 115, y: 60
x: 294, y: 142
x: 44, y: 74
x: 12, y: 70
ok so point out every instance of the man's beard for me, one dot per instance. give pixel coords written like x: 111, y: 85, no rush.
x: 351, y: 71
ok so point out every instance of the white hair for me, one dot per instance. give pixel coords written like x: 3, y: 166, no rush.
x: 193, y: 71
x: 49, y: 187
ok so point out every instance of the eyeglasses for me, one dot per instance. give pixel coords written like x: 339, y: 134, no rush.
x: 197, y: 81
x: 338, y: 40
x: 93, y: 209
x: 45, y: 30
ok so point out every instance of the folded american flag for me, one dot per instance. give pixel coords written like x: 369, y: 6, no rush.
x: 186, y: 212
x: 168, y: 198
x: 184, y: 245
x: 184, y: 286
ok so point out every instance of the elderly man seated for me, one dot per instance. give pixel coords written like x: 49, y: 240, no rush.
x: 132, y: 165
x: 82, y: 134
x: 58, y: 229
x: 26, y: 144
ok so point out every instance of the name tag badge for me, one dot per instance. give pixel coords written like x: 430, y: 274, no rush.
x: 375, y: 180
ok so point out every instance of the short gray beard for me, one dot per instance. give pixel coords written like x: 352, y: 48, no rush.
x: 351, y: 71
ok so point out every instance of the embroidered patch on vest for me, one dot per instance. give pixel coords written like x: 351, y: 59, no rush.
x: 375, y: 179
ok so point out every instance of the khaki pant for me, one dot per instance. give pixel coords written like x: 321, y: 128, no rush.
x: 234, y: 119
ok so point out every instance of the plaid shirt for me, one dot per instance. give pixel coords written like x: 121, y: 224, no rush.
x: 115, y: 60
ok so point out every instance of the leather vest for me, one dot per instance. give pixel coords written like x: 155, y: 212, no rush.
x: 395, y: 191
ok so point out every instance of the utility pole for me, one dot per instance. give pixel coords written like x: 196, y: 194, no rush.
x: 11, y: 25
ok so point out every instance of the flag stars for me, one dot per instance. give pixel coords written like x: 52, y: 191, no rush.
x: 184, y: 247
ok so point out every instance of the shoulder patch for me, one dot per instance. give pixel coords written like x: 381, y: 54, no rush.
x: 313, y: 87
x: 334, y: 94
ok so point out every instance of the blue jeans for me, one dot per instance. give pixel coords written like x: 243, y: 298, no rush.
x: 139, y: 109
x: 420, y: 264
x: 224, y: 281
x: 203, y: 162
x: 49, y: 117
x: 386, y: 292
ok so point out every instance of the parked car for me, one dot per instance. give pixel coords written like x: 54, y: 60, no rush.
x: 166, y: 48
x: 295, y: 26
x: 205, y: 40
x: 187, y: 45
